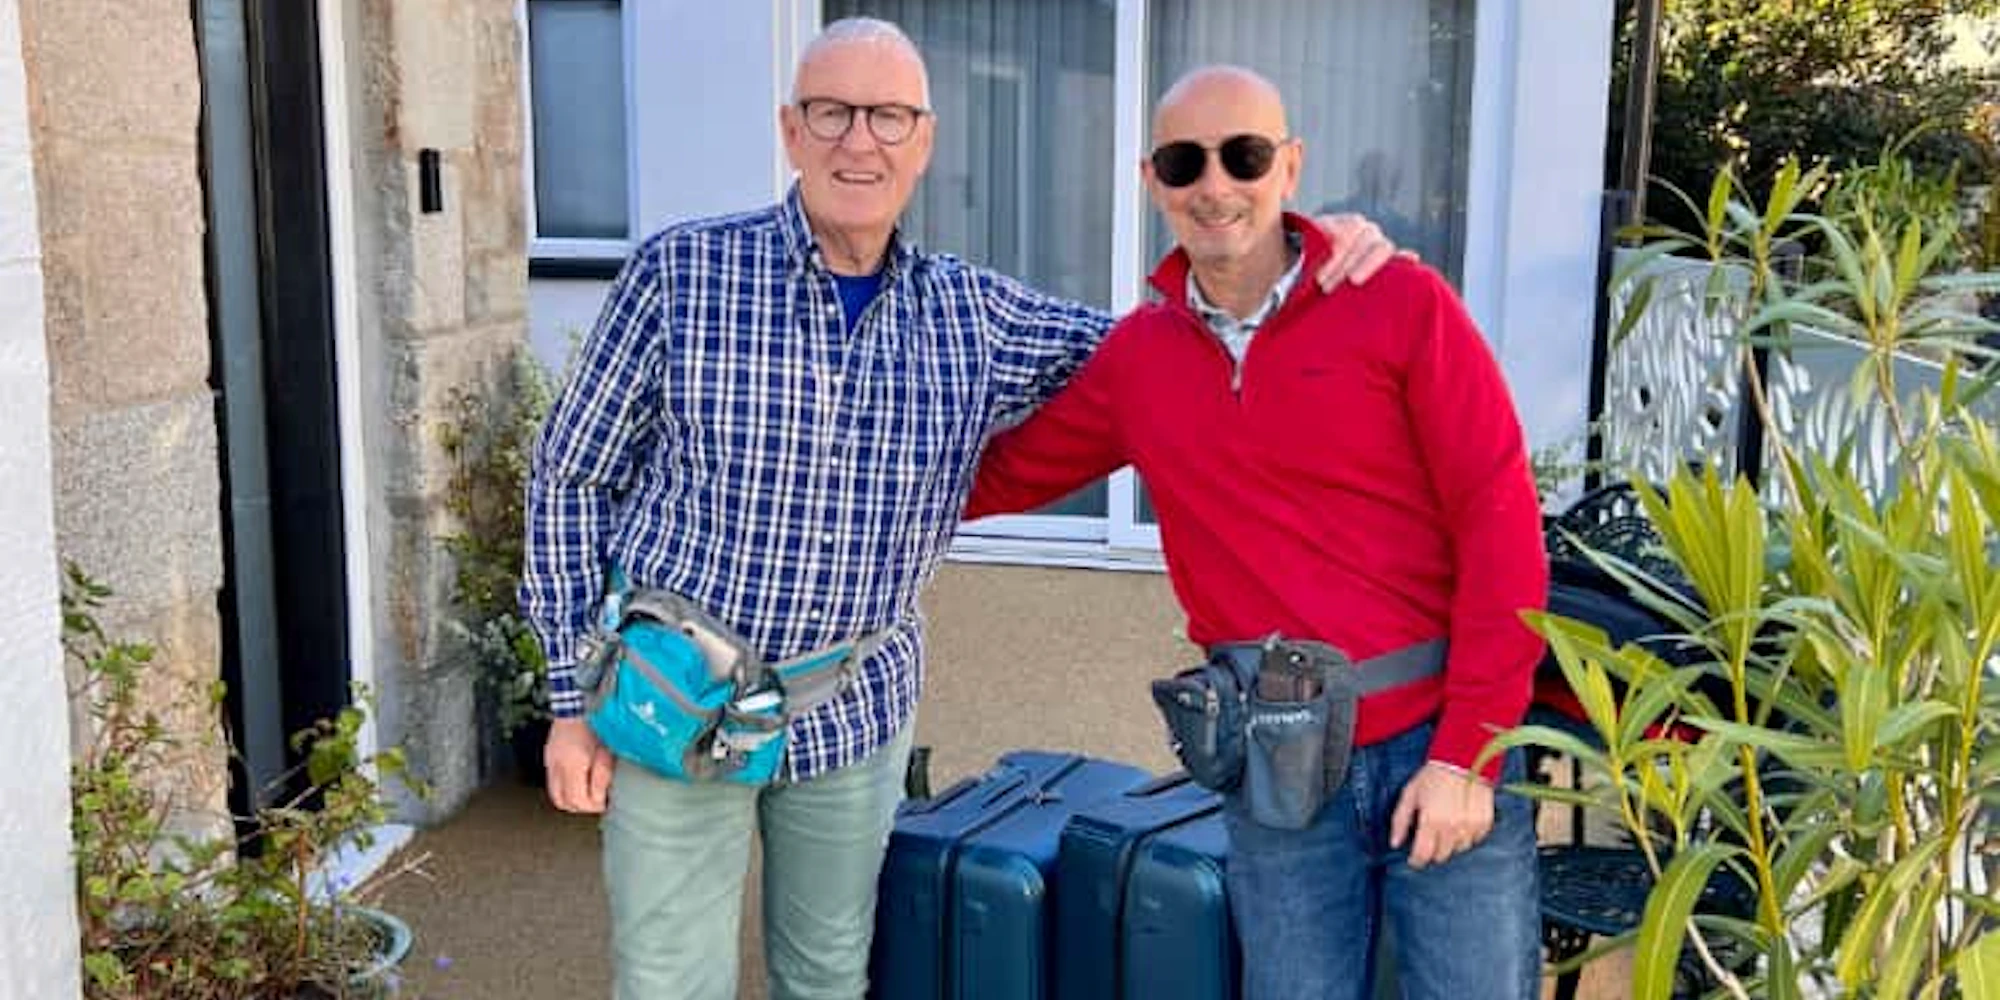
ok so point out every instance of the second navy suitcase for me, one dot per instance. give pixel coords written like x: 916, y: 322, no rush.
x: 1142, y: 911
x: 962, y: 909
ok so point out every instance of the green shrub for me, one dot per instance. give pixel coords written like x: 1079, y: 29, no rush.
x: 167, y: 915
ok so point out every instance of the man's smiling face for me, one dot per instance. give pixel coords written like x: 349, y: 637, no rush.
x: 857, y: 184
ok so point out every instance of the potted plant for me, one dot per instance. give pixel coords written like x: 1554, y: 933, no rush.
x: 176, y: 905
x: 1850, y: 771
x: 490, y: 440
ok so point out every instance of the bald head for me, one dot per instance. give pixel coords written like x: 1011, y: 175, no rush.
x: 1222, y: 166
x: 1229, y: 98
x: 874, y: 33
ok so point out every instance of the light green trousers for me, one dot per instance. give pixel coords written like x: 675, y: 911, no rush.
x: 675, y: 859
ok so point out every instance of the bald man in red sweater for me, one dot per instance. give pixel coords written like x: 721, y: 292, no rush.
x: 1345, y: 467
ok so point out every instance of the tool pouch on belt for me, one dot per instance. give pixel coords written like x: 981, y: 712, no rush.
x: 1204, y: 707
x: 1299, y: 731
x: 1274, y: 720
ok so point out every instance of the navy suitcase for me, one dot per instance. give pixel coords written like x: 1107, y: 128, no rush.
x: 1178, y: 942
x: 1142, y: 912
x: 962, y: 909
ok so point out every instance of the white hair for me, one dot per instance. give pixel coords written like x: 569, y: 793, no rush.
x: 864, y: 30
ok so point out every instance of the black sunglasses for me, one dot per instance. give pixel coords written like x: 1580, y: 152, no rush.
x: 1245, y: 157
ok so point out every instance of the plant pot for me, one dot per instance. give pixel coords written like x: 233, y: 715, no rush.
x: 378, y: 979
x: 527, y: 742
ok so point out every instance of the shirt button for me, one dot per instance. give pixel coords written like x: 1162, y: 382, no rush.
x: 814, y: 614
x: 826, y: 539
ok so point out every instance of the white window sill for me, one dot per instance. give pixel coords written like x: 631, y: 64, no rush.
x: 1040, y: 552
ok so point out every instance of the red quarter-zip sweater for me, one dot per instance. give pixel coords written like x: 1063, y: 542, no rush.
x: 1365, y: 482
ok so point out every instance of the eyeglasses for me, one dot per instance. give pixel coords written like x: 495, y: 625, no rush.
x: 829, y: 120
x: 1245, y: 157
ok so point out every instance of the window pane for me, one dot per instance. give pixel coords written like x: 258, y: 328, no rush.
x: 1021, y: 177
x: 1086, y: 502
x: 577, y: 82
x: 1379, y: 90
x: 1022, y: 174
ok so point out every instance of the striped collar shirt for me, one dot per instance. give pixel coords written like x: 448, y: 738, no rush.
x: 1235, y: 333
x: 727, y: 437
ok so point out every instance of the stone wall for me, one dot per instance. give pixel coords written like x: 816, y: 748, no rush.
x: 444, y: 301
x: 115, y: 118
x: 38, y: 945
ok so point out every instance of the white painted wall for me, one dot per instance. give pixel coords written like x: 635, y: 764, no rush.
x: 38, y: 944
x: 558, y: 310
x: 1535, y: 182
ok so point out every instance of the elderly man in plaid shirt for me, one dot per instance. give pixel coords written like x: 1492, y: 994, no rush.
x: 777, y: 417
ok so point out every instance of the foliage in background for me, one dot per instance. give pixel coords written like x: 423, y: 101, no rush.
x: 172, y: 916
x: 490, y: 439
x: 1892, y: 194
x: 1746, y: 84
x: 1852, y: 771
x: 1563, y: 468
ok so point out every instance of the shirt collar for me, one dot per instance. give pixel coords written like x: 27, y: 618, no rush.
x: 1170, y: 277
x: 1219, y: 318
x: 802, y: 247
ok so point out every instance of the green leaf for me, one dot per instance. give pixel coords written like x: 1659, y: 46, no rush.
x: 1565, y: 743
x: 1841, y: 882
x: 1646, y: 702
x: 1784, y: 195
x: 1907, y: 947
x: 1856, y: 956
x: 1801, y: 855
x: 1745, y: 220
x: 1795, y: 312
x: 1718, y: 204
x: 1641, y: 264
x: 1665, y: 926
x: 1908, y: 268
x: 1634, y: 310
x: 1798, y: 751
x: 1909, y: 718
x: 1864, y: 700
x: 1979, y: 968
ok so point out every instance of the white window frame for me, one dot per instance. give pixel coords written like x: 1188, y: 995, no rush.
x: 565, y: 248
x: 1117, y: 540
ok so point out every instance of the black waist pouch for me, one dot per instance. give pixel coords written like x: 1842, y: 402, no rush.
x: 1205, y: 709
x: 1300, y: 731
x: 1274, y: 720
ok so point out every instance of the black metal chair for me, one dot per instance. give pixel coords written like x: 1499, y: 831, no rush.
x: 1593, y: 890
x: 1601, y: 891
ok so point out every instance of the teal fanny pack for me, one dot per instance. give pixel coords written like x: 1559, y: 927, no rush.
x: 677, y: 692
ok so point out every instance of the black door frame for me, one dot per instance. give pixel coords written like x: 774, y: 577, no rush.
x: 262, y: 106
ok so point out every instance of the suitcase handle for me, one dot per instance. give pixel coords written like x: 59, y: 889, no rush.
x: 999, y: 784
x: 1160, y: 785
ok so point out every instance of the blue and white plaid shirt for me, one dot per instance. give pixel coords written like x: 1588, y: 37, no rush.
x: 725, y: 437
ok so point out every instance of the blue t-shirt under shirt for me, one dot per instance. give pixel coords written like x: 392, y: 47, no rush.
x: 856, y: 292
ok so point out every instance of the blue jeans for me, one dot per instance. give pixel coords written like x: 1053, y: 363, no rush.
x: 1309, y: 903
